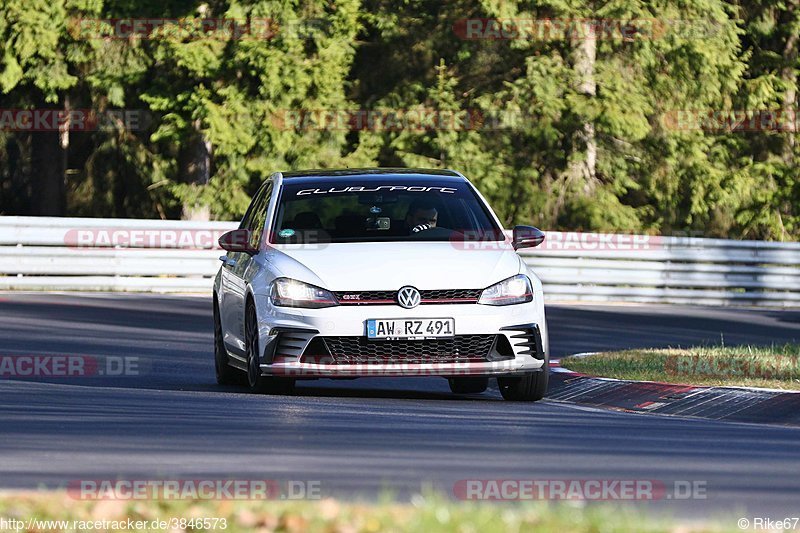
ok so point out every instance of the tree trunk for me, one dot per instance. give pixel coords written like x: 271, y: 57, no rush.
x: 584, y: 55
x: 195, y: 168
x: 47, y: 174
x: 48, y: 168
x: 789, y: 77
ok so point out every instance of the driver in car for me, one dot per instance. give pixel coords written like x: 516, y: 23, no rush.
x: 421, y: 216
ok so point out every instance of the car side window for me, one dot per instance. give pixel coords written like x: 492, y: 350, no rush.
x: 258, y: 215
x: 249, y: 213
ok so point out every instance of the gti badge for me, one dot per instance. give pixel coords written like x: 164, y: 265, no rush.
x: 408, y: 297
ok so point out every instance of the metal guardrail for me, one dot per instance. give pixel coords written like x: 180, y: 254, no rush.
x: 181, y: 256
x: 38, y: 253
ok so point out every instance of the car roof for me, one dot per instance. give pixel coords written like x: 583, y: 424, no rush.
x: 350, y: 174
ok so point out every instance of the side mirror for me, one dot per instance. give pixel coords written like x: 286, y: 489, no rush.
x: 527, y: 237
x: 237, y: 240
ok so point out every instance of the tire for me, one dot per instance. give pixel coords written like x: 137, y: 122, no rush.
x: 226, y: 374
x: 528, y: 388
x: 260, y: 384
x: 468, y: 385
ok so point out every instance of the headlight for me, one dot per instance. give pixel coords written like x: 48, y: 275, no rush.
x: 287, y: 292
x: 514, y: 290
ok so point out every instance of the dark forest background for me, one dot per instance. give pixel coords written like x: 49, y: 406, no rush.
x: 571, y: 130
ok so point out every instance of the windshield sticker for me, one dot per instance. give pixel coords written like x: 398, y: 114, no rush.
x: 407, y: 188
x: 286, y: 233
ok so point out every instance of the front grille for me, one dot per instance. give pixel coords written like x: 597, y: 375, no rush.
x: 364, y: 297
x: 432, y: 296
x: 451, y: 294
x: 360, y: 350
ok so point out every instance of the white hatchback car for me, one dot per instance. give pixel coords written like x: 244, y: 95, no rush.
x: 378, y: 272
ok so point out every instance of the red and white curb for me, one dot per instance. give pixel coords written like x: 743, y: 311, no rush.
x: 741, y: 404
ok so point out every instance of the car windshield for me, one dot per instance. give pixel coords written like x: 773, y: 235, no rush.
x: 389, y: 209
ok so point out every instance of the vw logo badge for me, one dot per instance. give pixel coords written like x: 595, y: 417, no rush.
x: 408, y: 297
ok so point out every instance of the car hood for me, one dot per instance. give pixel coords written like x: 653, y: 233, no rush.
x: 389, y: 266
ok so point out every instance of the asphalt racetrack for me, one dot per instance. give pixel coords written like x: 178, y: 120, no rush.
x: 360, y: 438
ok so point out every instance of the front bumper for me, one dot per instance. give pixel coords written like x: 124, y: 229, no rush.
x: 299, y: 370
x: 286, y: 333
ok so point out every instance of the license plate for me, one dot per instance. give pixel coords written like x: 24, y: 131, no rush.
x: 411, y: 328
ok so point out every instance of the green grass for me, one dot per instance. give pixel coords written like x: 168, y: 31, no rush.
x: 775, y: 367
x: 423, y: 514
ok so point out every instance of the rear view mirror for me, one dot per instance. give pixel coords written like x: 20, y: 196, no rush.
x: 527, y: 237
x: 379, y: 198
x: 237, y: 240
